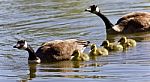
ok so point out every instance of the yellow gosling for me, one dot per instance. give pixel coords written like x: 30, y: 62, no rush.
x: 97, y: 51
x: 112, y: 46
x: 78, y: 56
x: 126, y: 43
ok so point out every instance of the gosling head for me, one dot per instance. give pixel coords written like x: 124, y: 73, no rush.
x: 123, y: 39
x: 21, y: 44
x: 76, y: 53
x: 93, y: 46
x: 93, y: 9
x: 105, y: 43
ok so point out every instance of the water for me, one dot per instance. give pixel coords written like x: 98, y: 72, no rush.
x: 38, y: 21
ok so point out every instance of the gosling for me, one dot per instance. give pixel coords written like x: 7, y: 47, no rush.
x: 126, y: 43
x: 97, y: 51
x: 79, y: 56
x: 112, y: 46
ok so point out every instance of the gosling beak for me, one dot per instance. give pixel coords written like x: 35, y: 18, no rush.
x: 119, y: 40
x: 72, y: 54
x: 101, y: 45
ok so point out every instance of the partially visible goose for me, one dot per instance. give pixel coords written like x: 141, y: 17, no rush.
x: 112, y: 46
x: 56, y: 50
x: 79, y: 56
x: 129, y: 23
x: 97, y: 51
x: 126, y: 43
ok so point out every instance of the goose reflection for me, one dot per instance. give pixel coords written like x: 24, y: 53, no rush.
x: 32, y: 71
x: 63, y: 69
x: 139, y: 37
x: 55, y: 67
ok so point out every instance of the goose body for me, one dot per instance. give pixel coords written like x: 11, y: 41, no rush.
x: 97, y: 51
x: 111, y: 46
x: 79, y: 56
x: 126, y: 43
x: 56, y: 50
x: 129, y: 23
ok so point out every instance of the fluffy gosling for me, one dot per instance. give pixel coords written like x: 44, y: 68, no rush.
x: 112, y: 46
x: 126, y: 43
x: 78, y: 56
x: 97, y: 51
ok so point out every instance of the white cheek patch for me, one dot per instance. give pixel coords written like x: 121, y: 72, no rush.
x: 89, y: 9
x: 25, y: 46
x: 97, y: 9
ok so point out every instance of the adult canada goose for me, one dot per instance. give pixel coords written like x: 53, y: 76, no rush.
x: 129, y: 23
x: 79, y: 56
x: 56, y: 50
x: 112, y: 46
x: 126, y: 43
x: 97, y: 51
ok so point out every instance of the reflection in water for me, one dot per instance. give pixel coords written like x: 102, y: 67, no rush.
x: 32, y: 71
x: 139, y: 37
x: 67, y: 69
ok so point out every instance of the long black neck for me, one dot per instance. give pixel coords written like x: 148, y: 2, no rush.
x: 32, y: 55
x: 108, y: 24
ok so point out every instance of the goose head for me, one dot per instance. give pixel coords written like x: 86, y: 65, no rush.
x: 21, y: 44
x: 93, y: 9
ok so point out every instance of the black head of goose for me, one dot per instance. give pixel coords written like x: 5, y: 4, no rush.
x: 56, y: 50
x: 129, y: 23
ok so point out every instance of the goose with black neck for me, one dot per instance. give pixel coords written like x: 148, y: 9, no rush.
x: 129, y: 23
x: 57, y: 50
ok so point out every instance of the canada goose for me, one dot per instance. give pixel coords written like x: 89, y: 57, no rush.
x: 97, y: 51
x: 56, y: 50
x: 129, y: 23
x: 79, y: 56
x: 111, y: 46
x: 126, y: 43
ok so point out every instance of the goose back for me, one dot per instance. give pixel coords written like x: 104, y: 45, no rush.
x: 60, y: 49
x: 133, y: 22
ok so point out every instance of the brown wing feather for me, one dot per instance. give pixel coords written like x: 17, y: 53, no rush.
x: 141, y: 15
x: 135, y: 22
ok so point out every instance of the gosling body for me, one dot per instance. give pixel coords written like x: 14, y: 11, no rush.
x: 126, y: 43
x: 97, y: 51
x: 112, y: 46
x: 79, y: 56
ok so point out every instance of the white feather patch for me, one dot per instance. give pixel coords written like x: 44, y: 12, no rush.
x: 35, y: 61
x: 89, y: 9
x: 97, y: 9
x: 25, y: 46
x: 117, y: 28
